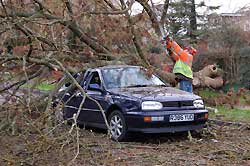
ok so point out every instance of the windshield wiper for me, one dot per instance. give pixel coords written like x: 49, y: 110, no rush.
x: 162, y: 85
x: 134, y: 86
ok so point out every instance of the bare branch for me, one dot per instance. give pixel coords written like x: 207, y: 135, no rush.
x: 72, y: 25
x: 69, y: 7
x: 19, y: 83
x: 4, y: 7
x: 44, y: 61
x: 135, y: 40
x: 123, y: 11
x: 151, y: 15
x: 165, y: 9
x: 42, y: 7
x: 110, y: 4
x: 29, y: 38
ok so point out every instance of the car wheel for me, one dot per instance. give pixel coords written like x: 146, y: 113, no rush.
x: 118, y: 127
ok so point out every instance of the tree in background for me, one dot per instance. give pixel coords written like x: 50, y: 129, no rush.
x: 244, y: 70
x: 183, y: 20
x: 185, y: 23
x: 228, y: 47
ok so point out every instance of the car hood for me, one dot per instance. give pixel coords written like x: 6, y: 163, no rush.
x: 155, y: 93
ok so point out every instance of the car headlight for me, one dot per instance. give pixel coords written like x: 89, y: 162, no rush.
x: 151, y: 105
x: 198, y: 103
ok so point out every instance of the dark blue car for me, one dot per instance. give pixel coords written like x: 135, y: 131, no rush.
x: 133, y: 101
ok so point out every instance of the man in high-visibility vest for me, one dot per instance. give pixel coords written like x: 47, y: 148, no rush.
x: 183, y: 63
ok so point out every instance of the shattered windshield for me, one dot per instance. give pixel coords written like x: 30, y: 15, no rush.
x: 129, y: 77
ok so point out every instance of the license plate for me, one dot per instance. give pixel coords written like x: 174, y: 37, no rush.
x: 181, y: 117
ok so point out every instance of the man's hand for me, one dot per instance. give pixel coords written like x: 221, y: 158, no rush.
x: 167, y: 38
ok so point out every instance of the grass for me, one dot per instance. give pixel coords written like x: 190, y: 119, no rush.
x: 231, y: 114
x: 43, y: 86
x: 208, y: 93
x: 225, y: 113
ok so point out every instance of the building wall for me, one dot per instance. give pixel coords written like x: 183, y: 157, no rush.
x: 235, y: 19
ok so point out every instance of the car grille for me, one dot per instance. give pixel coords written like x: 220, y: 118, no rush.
x: 177, y: 103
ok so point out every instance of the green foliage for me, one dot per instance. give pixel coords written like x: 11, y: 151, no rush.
x: 44, y: 86
x: 179, y: 17
x: 244, y: 66
x: 228, y: 48
x: 227, y: 110
x: 232, y: 86
x: 231, y: 114
x: 227, y: 36
x: 208, y: 93
x: 183, y: 20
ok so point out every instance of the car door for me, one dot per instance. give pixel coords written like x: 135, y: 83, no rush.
x: 95, y: 95
x: 72, y: 98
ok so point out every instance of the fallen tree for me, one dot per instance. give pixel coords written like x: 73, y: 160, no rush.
x: 209, y: 76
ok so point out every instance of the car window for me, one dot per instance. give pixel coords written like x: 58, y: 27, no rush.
x: 83, y: 81
x: 129, y: 76
x: 95, y: 81
x: 68, y: 83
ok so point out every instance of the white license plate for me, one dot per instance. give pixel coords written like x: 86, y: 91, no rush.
x: 181, y: 117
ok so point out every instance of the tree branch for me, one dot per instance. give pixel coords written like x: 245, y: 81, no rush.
x: 135, y: 40
x: 4, y: 59
x: 73, y: 26
x: 69, y: 7
x: 151, y: 15
x: 123, y: 11
x: 19, y: 83
x: 29, y: 38
x: 110, y: 4
x: 164, y: 12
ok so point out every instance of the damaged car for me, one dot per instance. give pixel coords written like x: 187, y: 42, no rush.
x: 132, y: 100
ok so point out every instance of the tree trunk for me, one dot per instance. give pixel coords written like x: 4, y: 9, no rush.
x: 209, y: 76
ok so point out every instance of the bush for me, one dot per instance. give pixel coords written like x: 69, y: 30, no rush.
x: 244, y: 66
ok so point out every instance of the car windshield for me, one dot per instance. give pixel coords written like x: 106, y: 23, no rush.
x: 129, y: 77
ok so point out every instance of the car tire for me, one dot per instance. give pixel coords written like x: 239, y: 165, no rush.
x: 118, y: 127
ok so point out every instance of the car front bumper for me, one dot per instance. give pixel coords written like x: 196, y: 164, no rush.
x: 135, y: 121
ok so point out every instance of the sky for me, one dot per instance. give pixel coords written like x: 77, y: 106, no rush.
x: 227, y: 6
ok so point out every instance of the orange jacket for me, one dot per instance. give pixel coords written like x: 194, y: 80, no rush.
x: 177, y: 53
